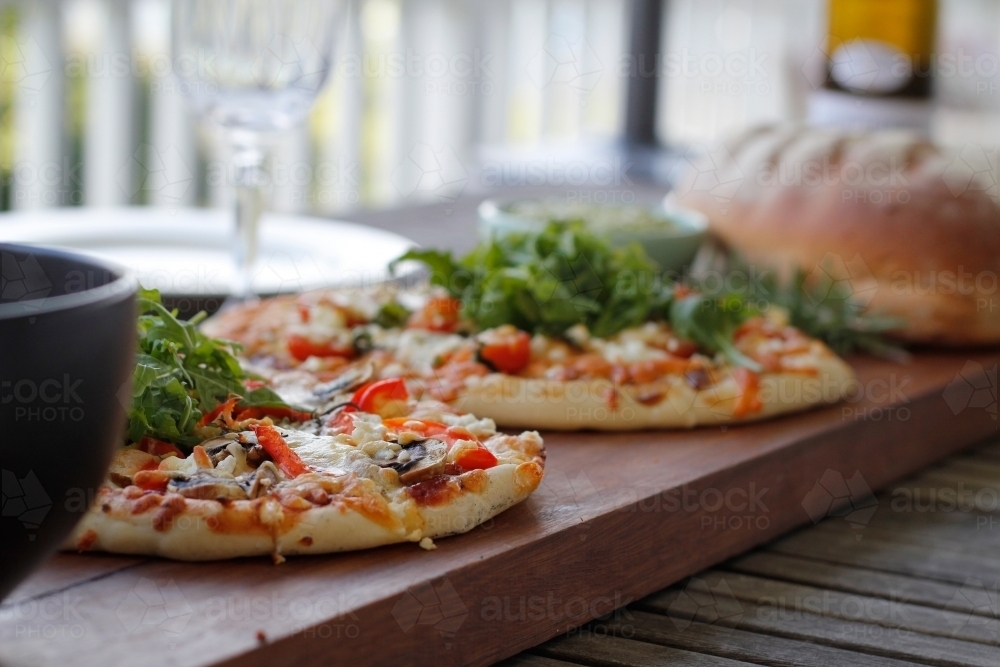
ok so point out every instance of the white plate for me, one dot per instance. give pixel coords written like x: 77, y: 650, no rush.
x: 188, y: 251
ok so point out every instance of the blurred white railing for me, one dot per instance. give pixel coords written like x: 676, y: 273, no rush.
x: 92, y: 114
x: 424, y: 92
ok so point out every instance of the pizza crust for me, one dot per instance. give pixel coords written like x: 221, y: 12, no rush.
x: 196, y: 530
x: 197, y: 533
x: 326, y: 529
x: 515, y: 402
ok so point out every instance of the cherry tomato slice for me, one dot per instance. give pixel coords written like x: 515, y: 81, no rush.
x: 507, y: 352
x: 386, y: 398
x: 301, y: 348
x: 343, y: 420
x: 479, y: 458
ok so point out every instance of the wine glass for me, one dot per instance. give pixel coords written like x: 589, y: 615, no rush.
x: 254, y: 69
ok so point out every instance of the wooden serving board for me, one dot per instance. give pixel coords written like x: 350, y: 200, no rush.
x: 618, y: 517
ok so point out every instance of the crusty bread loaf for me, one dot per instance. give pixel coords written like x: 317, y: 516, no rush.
x: 914, y: 229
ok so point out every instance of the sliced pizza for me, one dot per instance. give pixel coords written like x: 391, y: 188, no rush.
x: 348, y: 480
x: 218, y: 465
x: 644, y: 376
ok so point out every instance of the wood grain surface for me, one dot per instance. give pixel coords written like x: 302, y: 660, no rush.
x: 618, y: 517
x: 834, y: 604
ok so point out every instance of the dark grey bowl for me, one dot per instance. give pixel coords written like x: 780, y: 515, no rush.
x: 67, y: 346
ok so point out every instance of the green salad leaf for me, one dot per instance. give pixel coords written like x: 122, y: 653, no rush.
x: 712, y: 322
x: 564, y: 275
x: 182, y: 374
x: 549, y: 281
x: 820, y: 306
x: 828, y: 310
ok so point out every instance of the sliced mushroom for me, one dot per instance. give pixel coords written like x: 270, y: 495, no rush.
x: 246, y: 438
x: 350, y: 379
x: 207, y: 486
x: 217, y: 448
x: 419, y: 461
x: 260, y: 481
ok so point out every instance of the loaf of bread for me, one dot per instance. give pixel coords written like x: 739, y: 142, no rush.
x: 914, y: 230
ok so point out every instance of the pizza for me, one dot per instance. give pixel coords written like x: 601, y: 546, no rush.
x: 347, y: 480
x: 645, y: 376
x: 346, y: 419
x: 216, y: 464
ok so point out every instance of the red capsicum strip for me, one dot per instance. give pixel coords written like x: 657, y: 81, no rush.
x: 225, y: 409
x: 748, y: 402
x: 283, y: 456
x: 159, y: 447
x: 374, y: 397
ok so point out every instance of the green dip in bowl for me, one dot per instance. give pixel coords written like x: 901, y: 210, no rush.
x: 670, y: 235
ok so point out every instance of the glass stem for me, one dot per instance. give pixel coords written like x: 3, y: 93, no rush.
x: 249, y: 180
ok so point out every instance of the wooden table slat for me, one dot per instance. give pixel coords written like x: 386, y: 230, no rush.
x: 739, y: 644
x: 853, y: 579
x: 849, y: 635
x: 876, y: 554
x: 988, y: 451
x: 531, y: 660
x: 602, y: 650
x: 986, y: 486
x: 984, y: 468
x: 896, y: 612
x: 974, y: 534
x: 805, y: 609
